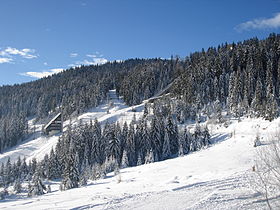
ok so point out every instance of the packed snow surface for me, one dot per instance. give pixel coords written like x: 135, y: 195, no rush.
x: 217, y: 177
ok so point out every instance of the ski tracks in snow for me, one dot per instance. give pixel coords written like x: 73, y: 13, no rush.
x: 229, y: 193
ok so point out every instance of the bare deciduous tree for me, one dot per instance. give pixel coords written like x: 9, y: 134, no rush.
x: 268, y: 172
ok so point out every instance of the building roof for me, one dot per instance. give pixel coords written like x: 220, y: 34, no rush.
x: 49, y: 123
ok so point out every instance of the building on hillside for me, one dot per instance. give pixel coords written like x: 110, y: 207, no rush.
x: 54, y: 126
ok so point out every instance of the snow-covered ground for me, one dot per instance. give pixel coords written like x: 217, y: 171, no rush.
x: 217, y: 177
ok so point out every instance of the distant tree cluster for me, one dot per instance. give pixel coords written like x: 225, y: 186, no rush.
x: 12, y: 130
x: 89, y: 151
x: 147, y: 79
x: 242, y: 77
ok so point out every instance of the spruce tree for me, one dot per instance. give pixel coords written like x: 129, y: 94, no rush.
x: 166, y: 151
x: 71, y: 172
x: 257, y: 100
x: 113, y: 143
x: 205, y: 136
x: 17, y: 186
x: 149, y: 157
x: 125, y: 162
x: 171, y: 130
x: 37, y: 186
x: 130, y: 145
x: 156, y: 136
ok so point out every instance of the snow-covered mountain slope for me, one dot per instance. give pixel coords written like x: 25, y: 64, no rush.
x: 38, y: 145
x: 217, y: 177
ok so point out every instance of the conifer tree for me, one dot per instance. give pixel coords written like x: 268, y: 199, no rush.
x: 130, y: 145
x: 139, y: 160
x: 54, y: 169
x: 149, y: 157
x: 17, y: 186
x: 71, y: 172
x: 182, y: 143
x: 172, y: 133
x: 257, y: 100
x: 166, y: 152
x: 37, y: 187
x: 125, y: 162
x: 156, y: 137
x: 205, y: 136
x: 24, y: 169
x: 113, y: 143
x: 271, y: 107
x: 8, y: 173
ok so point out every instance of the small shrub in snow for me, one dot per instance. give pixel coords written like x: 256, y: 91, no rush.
x: 257, y: 142
x: 139, y: 160
x: 3, y: 194
x: 119, y: 178
x: 83, y: 179
x: 49, y: 190
x: 61, y: 187
x: 95, y: 172
x: 125, y: 162
x: 226, y: 124
x: 118, y: 175
x: 17, y: 186
x: 149, y: 157
x: 117, y: 171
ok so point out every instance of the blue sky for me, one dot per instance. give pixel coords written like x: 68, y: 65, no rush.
x: 41, y: 37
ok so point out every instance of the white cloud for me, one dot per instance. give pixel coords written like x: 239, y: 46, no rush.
x: 6, y: 60
x: 43, y: 73
x: 25, y: 53
x: 91, y: 59
x: 73, y: 55
x: 45, y: 63
x: 94, y: 60
x: 260, y: 23
x: 91, y: 56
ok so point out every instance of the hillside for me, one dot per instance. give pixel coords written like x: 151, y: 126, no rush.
x: 39, y: 144
x: 146, y: 132
x: 218, y: 177
x: 166, y: 105
x: 241, y: 77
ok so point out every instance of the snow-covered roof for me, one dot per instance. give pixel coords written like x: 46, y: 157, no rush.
x: 46, y: 126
